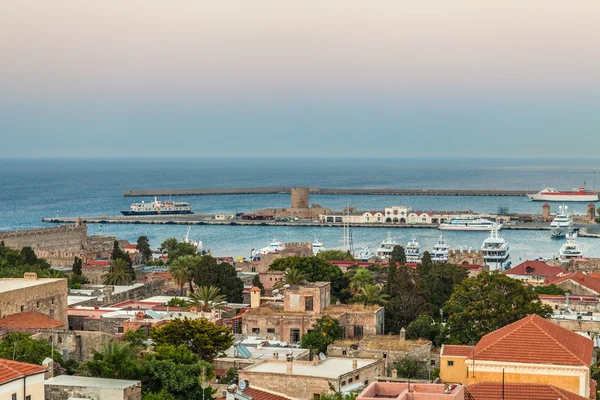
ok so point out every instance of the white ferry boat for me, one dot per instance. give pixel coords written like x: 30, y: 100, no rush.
x: 468, y: 223
x: 570, y: 249
x: 159, y: 208
x: 551, y: 194
x: 365, y: 254
x: 384, y: 252
x: 317, y: 246
x: 440, y: 251
x: 413, y: 251
x: 274, y: 246
x: 562, y: 223
x: 495, y: 251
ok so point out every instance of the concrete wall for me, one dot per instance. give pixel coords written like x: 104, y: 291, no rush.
x: 79, y: 345
x: 58, y: 392
x: 34, y: 387
x: 49, y: 298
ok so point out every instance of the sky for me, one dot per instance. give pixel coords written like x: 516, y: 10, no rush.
x: 299, y: 78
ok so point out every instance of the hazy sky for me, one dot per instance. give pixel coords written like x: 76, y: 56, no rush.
x: 299, y: 78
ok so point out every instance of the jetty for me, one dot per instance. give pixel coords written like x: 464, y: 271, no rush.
x: 329, y: 191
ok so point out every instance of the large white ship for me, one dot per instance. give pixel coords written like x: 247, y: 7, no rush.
x: 495, y: 252
x: 551, y: 194
x: 365, y: 254
x: 440, y: 251
x: 468, y: 223
x: 570, y: 249
x: 413, y: 251
x: 384, y: 252
x: 159, y: 208
x: 274, y: 246
x: 562, y: 223
x: 317, y: 246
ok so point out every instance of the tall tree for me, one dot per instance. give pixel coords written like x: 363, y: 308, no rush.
x: 174, y: 249
x: 437, y: 282
x: 207, y: 272
x: 22, y: 347
x: 115, y: 361
x: 77, y: 266
x: 182, y: 272
x: 143, y: 246
x: 406, y: 301
x: 361, y: 278
x: 117, y: 253
x: 325, y: 331
x: 487, y: 302
x: 28, y: 255
x: 256, y: 282
x: 208, y: 298
x: 398, y: 255
x: 335, y: 255
x: 117, y: 274
x: 371, y: 294
x: 200, y: 336
x: 293, y: 277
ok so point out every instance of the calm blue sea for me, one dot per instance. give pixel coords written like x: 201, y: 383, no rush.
x: 33, y: 189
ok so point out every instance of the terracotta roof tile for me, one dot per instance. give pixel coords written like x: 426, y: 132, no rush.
x: 535, y: 340
x: 29, y: 320
x: 11, y: 370
x: 456, y: 350
x: 535, y: 268
x: 519, y: 391
x: 580, y: 278
x: 258, y: 394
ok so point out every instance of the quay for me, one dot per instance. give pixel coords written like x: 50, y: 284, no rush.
x: 329, y: 191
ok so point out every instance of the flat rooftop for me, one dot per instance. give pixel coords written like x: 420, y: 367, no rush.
x: 330, y: 368
x: 10, y: 284
x: 73, y: 380
x: 266, y: 352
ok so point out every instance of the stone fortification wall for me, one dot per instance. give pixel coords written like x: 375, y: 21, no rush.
x: 461, y: 257
x: 584, y: 265
x: 49, y: 297
x: 300, y: 197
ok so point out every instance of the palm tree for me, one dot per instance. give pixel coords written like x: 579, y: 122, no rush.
x: 52, y: 273
x: 362, y: 277
x: 117, y: 274
x: 372, y: 294
x: 208, y: 298
x: 181, y: 271
x: 293, y: 277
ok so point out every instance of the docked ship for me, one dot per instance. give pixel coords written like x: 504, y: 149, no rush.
x: 384, y: 252
x: 317, y: 246
x: 365, y: 254
x: 495, y: 252
x: 570, y: 249
x: 440, y: 251
x: 562, y: 223
x: 413, y: 252
x: 551, y: 194
x: 159, y: 208
x: 468, y: 223
x: 274, y: 246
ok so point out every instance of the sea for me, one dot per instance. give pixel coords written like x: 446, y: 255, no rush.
x: 31, y: 189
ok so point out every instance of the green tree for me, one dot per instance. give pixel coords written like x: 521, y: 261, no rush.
x: 199, y: 335
x: 335, y: 255
x: 338, y: 396
x: 316, y: 270
x: 437, y: 282
x: 372, y: 294
x: 550, y: 289
x: 77, y: 266
x: 398, y: 255
x: 325, y: 331
x: 118, y: 254
x: 424, y: 327
x: 22, y: 347
x: 410, y: 367
x: 28, y: 255
x: 162, y: 395
x: 174, y: 249
x: 208, y: 272
x: 208, y: 298
x: 136, y: 337
x: 361, y: 278
x: 406, y: 300
x: 182, y: 271
x: 143, y: 246
x: 256, y: 282
x: 115, y: 361
x: 293, y: 277
x: 487, y: 302
x: 177, y: 302
x: 117, y: 275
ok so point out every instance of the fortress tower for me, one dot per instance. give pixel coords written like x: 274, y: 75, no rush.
x: 299, y: 197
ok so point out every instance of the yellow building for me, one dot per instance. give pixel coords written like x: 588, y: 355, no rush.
x: 532, y: 350
x: 21, y: 381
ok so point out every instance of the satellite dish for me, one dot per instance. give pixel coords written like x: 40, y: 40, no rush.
x: 322, y: 356
x: 275, y: 291
x: 243, y: 385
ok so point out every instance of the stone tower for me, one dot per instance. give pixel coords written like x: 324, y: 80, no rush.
x: 299, y: 197
x: 546, y: 211
x: 591, y: 211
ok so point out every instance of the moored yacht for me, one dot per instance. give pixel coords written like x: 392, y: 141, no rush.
x: 569, y: 250
x: 440, y: 251
x: 413, y: 251
x: 551, y: 194
x: 562, y: 223
x: 468, y: 223
x: 384, y: 252
x: 495, y: 251
x: 274, y: 246
x: 317, y: 246
x: 159, y: 208
x: 365, y: 254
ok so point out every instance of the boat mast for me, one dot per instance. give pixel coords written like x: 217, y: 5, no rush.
x: 347, y: 239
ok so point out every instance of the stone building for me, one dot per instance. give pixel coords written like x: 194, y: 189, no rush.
x: 19, y: 380
x: 465, y: 257
x: 301, y: 249
x: 66, y: 387
x: 414, y: 391
x: 578, y: 283
x: 309, y: 379
x: 301, y: 307
x: 30, y: 293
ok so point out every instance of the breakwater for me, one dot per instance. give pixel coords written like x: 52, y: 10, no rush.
x: 329, y: 191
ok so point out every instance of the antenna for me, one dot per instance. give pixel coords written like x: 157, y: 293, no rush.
x: 347, y: 239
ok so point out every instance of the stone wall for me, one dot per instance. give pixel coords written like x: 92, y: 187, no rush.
x: 48, y: 296
x: 585, y: 265
x: 59, y: 392
x: 77, y: 345
x: 461, y: 257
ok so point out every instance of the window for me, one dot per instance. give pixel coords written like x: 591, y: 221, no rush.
x: 22, y: 308
x: 432, y: 363
x: 120, y: 329
x: 451, y: 363
x: 356, y: 377
x: 37, y: 305
x: 28, y: 397
x: 343, y: 383
x: 358, y: 331
x: 53, y: 300
x: 270, y: 330
x: 294, y: 335
x: 308, y: 303
x: 59, y: 339
x: 366, y: 383
x: 14, y: 396
x: 344, y: 352
x: 255, y: 330
x: 350, y: 381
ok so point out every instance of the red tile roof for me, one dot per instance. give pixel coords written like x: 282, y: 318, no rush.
x: 519, y: 391
x: 580, y: 278
x: 535, y: 340
x: 258, y: 394
x: 535, y: 268
x: 456, y: 350
x: 29, y: 320
x: 11, y: 370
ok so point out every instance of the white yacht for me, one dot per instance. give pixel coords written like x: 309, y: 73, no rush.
x: 468, y: 223
x: 413, y: 251
x: 570, y: 249
x: 317, y: 246
x: 384, y: 252
x: 562, y: 223
x: 440, y: 251
x: 495, y: 251
x: 274, y: 246
x: 365, y: 254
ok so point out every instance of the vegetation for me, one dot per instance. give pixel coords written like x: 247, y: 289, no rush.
x: 338, y: 396
x: 335, y: 255
x: 360, y: 278
x: 22, y: 347
x: 398, y: 255
x: 174, y: 249
x: 177, y: 302
x: 409, y: 367
x: 437, y: 282
x: 182, y: 271
x: 136, y: 338
x: 208, y: 298
x: 117, y: 274
x: 115, y: 361
x: 200, y: 336
x: 372, y: 294
x: 223, y: 276
x: 325, y: 331
x: 550, y: 289
x: 425, y: 327
x: 293, y: 277
x: 76, y: 279
x: 14, y: 263
x: 486, y: 302
x: 406, y: 300
x: 118, y: 254
x: 143, y: 246
x: 256, y: 282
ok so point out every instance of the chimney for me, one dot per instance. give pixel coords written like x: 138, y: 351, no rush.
x: 354, y: 364
x: 315, y: 360
x: 255, y: 297
x: 567, y: 299
x: 276, y: 356
x: 30, y: 275
x: 402, y: 334
x: 394, y: 373
x: 289, y: 367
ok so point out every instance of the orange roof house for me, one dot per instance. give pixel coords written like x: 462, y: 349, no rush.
x: 29, y: 379
x: 578, y: 283
x: 519, y: 391
x: 29, y: 321
x: 534, y: 272
x: 531, y: 350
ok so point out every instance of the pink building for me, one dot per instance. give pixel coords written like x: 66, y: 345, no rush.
x: 411, y: 391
